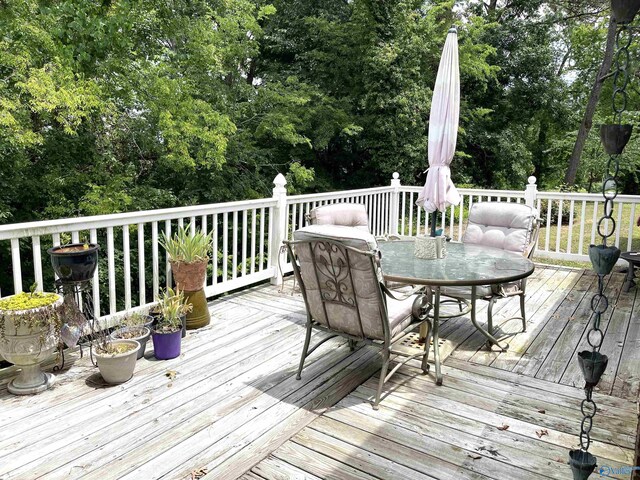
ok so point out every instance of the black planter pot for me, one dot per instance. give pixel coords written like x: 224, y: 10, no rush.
x: 582, y: 464
x: 615, y: 137
x: 624, y: 11
x: 74, y: 263
x: 593, y: 365
x: 603, y: 258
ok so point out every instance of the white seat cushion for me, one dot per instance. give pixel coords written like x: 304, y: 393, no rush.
x: 503, y: 225
x: 345, y: 214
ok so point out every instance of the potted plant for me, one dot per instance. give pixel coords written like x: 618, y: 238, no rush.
x: 189, y: 256
x: 116, y: 359
x: 74, y: 262
x: 167, y: 333
x: 29, y: 333
x: 134, y: 327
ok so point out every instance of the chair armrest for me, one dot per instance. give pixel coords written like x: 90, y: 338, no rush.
x: 414, y: 290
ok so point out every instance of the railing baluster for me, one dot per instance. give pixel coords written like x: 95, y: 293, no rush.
x: 262, y: 214
x: 619, y: 224
x: 181, y: 222
x: 244, y: 243
x: 594, y: 222
x: 418, y: 220
x: 548, y: 233
x: 411, y: 204
x: 570, y: 236
x: 253, y: 241
x: 632, y: 217
x: 126, y: 266
x: 216, y: 231
x: 460, y: 219
x: 203, y: 225
x: 294, y: 211
x: 155, y: 259
x: 225, y: 245
x: 111, y: 271
x: 192, y: 226
x: 559, y: 231
x: 301, y: 216
x: 142, y: 294
x: 16, y: 265
x: 75, y: 237
x: 37, y: 263
x: 167, y: 265
x: 583, y: 218
x: 452, y: 211
x: 269, y: 233
x: 234, y: 247
x: 404, y: 210
x: 95, y: 285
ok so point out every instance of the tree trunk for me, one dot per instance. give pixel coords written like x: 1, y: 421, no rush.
x: 594, y: 97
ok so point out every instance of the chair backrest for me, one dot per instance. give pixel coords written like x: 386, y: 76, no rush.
x: 344, y: 214
x: 339, y: 276
x: 505, y: 225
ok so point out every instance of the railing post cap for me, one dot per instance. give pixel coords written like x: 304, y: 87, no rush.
x: 531, y: 180
x: 280, y: 180
x: 395, y: 175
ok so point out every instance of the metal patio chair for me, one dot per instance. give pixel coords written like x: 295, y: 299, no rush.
x: 339, y: 275
x: 509, y: 226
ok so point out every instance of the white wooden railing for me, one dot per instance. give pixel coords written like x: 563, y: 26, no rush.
x: 248, y: 236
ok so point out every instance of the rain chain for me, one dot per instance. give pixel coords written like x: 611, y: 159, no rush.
x: 603, y: 258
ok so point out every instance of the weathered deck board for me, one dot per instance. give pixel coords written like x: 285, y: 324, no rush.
x: 449, y: 433
x: 235, y: 402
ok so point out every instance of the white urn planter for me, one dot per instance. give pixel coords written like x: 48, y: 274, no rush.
x: 28, y: 338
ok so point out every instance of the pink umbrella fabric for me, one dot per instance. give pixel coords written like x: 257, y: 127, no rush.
x: 438, y: 191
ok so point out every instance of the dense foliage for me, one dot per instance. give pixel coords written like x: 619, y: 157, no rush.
x: 115, y: 105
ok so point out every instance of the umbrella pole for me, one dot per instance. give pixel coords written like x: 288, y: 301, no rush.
x: 434, y: 216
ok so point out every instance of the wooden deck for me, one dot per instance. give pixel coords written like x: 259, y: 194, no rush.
x: 234, y: 409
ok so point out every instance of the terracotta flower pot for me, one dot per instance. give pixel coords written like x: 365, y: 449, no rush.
x: 189, y: 277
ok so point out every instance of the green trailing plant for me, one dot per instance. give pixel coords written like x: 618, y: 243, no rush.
x: 184, y: 247
x: 172, y: 305
x: 29, y: 310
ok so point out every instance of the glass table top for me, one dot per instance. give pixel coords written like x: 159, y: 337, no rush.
x: 464, y: 264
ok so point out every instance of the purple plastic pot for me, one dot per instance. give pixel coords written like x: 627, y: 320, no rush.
x: 166, y: 345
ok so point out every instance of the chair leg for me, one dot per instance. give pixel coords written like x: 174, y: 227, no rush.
x: 383, y: 374
x: 522, y: 312
x: 305, y: 349
x: 352, y: 345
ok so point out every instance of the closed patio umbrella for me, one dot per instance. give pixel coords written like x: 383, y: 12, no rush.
x: 438, y: 191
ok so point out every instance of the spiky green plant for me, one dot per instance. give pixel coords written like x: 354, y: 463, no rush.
x: 184, y: 247
x: 172, y: 305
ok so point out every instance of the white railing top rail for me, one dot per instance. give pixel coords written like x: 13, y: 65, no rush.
x: 336, y: 194
x: 48, y: 227
x: 585, y: 196
x: 473, y: 191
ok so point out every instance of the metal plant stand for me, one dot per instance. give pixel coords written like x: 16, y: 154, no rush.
x: 81, y: 294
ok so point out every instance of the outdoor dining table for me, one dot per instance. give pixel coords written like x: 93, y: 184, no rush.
x: 465, y: 265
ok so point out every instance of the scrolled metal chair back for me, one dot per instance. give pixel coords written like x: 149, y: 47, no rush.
x: 340, y: 286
